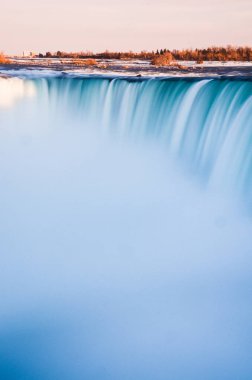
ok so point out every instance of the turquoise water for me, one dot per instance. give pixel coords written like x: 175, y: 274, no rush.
x: 206, y: 123
x: 125, y: 229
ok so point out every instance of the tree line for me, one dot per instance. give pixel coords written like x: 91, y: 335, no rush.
x: 229, y: 53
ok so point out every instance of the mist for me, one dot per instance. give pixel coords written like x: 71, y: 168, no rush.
x: 116, y: 260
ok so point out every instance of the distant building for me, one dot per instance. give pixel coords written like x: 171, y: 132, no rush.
x: 29, y: 54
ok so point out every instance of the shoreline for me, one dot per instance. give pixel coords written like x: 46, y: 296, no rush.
x: 114, y: 68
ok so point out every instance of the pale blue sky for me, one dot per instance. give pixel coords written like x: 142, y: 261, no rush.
x: 74, y: 25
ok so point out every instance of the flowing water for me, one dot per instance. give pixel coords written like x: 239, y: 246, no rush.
x: 125, y: 228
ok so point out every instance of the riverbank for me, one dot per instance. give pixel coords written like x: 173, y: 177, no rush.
x: 127, y: 68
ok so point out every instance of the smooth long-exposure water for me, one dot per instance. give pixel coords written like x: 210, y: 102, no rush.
x: 125, y: 229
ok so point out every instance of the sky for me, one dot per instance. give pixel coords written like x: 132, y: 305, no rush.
x: 97, y: 25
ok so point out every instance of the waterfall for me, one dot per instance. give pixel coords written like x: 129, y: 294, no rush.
x: 125, y: 228
x: 206, y: 123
